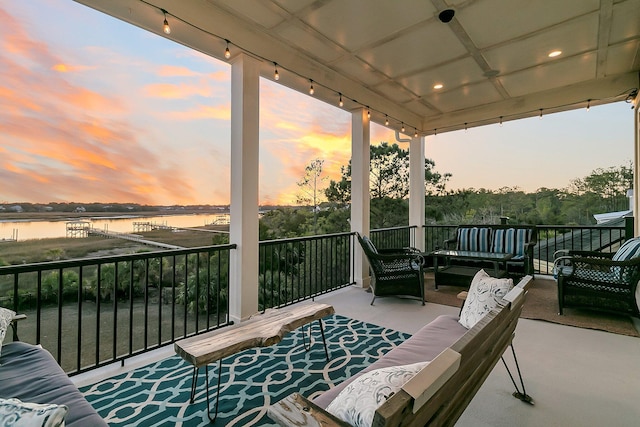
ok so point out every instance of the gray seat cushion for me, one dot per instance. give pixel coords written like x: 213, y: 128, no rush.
x: 31, y: 374
x: 423, y: 346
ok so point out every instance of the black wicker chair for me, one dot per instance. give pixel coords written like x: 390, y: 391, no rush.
x: 596, y: 281
x: 394, y: 271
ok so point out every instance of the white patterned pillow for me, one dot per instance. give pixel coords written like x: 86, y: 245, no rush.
x: 6, y: 316
x: 357, y: 403
x: 16, y: 413
x: 484, y: 294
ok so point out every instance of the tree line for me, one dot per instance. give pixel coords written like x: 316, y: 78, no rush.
x: 325, y: 205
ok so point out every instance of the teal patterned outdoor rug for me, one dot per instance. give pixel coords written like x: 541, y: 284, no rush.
x: 158, y: 394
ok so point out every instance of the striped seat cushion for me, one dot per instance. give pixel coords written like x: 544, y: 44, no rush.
x: 511, y: 241
x: 474, y: 239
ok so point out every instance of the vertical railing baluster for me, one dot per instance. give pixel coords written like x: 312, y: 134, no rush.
x: 131, y: 290
x: 59, y: 331
x: 98, y: 292
x: 173, y: 298
x: 80, y: 303
x: 161, y: 259
x: 114, y: 299
x: 146, y: 304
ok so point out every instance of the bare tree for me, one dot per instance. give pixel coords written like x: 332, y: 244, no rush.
x: 312, y: 188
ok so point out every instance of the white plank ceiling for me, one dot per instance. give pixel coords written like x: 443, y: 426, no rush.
x: 491, y: 58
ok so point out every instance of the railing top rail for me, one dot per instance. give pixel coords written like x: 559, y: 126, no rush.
x: 298, y: 239
x: 402, y: 227
x: 79, y: 262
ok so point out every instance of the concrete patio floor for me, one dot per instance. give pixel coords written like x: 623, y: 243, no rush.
x: 577, y: 377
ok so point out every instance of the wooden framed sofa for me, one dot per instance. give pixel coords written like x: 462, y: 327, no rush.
x: 30, y: 374
x: 445, y: 364
x: 518, y: 240
x: 600, y: 281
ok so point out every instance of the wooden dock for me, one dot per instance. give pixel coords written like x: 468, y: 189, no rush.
x: 131, y: 237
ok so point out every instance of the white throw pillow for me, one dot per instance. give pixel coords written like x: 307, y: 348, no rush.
x: 6, y: 316
x: 356, y: 404
x: 484, y: 294
x: 16, y: 413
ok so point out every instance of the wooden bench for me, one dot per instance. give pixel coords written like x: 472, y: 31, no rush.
x: 261, y: 330
x: 440, y: 392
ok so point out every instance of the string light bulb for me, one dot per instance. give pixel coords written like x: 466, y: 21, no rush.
x: 165, y: 25
x: 227, y: 52
x: 402, y: 126
x: 500, y: 121
x: 368, y: 112
x: 588, y: 104
x: 386, y: 120
x: 541, y: 114
x: 276, y: 76
x: 311, y: 91
x: 435, y: 132
x: 465, y: 126
x: 415, y: 133
x: 341, y: 102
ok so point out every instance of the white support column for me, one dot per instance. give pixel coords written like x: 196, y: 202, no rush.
x: 360, y: 206
x: 245, y: 105
x: 417, y: 189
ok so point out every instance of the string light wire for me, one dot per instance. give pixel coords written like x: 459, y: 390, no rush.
x: 630, y: 95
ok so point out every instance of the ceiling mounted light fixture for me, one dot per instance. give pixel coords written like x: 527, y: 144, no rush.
x: 165, y: 25
x: 446, y: 15
x: 438, y: 86
x: 555, y: 53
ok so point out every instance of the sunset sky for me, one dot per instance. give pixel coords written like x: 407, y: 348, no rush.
x: 95, y: 110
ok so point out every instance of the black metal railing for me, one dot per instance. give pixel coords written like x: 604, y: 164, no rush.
x: 292, y: 270
x: 394, y: 237
x: 95, y: 311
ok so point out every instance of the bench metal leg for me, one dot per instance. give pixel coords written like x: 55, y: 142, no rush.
x: 206, y: 373
x: 324, y: 341
x: 523, y: 396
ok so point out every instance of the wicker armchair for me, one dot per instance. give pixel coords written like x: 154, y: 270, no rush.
x: 394, y: 271
x: 598, y: 281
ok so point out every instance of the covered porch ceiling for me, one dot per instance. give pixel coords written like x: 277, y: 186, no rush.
x: 491, y: 58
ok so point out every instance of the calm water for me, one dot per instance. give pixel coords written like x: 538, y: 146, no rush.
x: 47, y: 229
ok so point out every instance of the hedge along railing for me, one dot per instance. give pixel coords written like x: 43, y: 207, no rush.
x: 551, y: 238
x: 293, y: 270
x: 95, y: 311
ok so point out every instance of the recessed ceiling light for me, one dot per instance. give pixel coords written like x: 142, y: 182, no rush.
x: 438, y: 86
x: 555, y: 53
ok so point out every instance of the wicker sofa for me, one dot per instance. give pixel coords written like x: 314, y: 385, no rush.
x: 600, y: 281
x: 518, y: 240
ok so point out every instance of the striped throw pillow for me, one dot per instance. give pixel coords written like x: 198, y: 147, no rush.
x: 474, y: 239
